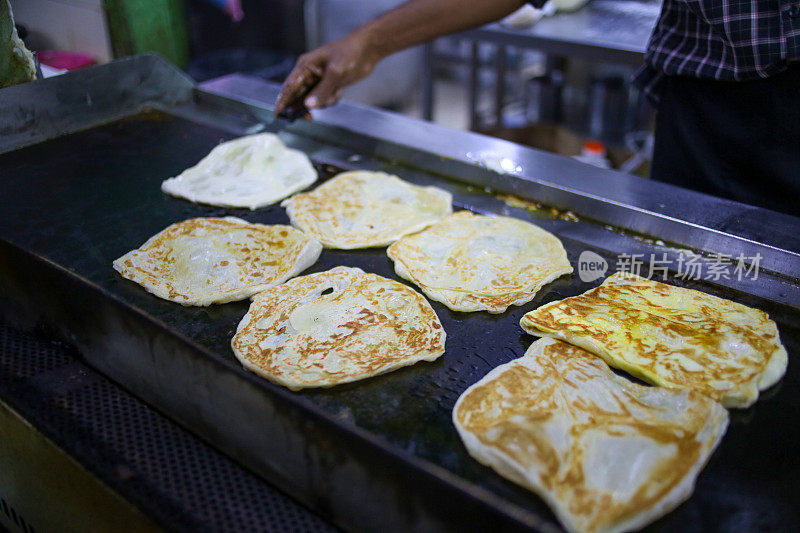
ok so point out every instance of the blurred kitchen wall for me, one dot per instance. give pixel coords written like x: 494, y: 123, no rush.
x: 395, y: 81
x: 269, y: 24
x: 74, y: 25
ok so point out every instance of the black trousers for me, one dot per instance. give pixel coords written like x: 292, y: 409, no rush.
x: 736, y: 140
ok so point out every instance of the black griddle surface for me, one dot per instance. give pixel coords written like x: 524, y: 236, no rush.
x: 85, y: 199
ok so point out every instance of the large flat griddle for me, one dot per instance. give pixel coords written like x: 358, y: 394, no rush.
x: 381, y: 453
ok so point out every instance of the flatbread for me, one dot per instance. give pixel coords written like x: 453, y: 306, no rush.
x: 17, y: 64
x: 204, y: 261
x: 252, y: 172
x: 364, y: 209
x: 335, y: 327
x: 670, y: 336
x: 604, y: 453
x: 480, y: 263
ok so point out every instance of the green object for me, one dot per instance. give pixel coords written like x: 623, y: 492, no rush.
x: 16, y: 62
x: 140, y: 26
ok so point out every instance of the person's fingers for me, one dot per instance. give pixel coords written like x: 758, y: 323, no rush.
x: 325, y: 90
x: 293, y: 89
x: 334, y: 99
x: 288, y: 89
x: 302, y: 78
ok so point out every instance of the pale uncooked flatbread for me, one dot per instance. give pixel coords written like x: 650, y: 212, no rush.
x: 205, y: 261
x: 335, y: 327
x: 480, y: 263
x: 363, y: 209
x: 251, y: 171
x: 604, y: 453
x: 670, y: 336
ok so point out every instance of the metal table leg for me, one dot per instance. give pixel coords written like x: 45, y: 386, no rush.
x: 473, y: 86
x: 500, y: 85
x: 427, y: 81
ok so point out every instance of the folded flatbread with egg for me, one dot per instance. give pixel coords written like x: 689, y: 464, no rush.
x: 604, y: 453
x: 670, y: 336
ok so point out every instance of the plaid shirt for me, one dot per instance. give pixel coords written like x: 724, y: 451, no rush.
x: 733, y: 40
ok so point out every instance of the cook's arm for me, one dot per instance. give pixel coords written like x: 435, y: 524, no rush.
x: 321, y: 74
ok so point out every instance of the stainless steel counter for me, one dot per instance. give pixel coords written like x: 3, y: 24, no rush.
x: 606, y: 30
x: 609, y: 31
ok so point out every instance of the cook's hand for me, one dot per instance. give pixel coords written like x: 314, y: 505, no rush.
x: 319, y: 76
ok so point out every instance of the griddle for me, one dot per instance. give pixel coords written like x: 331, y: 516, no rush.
x: 174, y: 480
x: 84, y: 156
